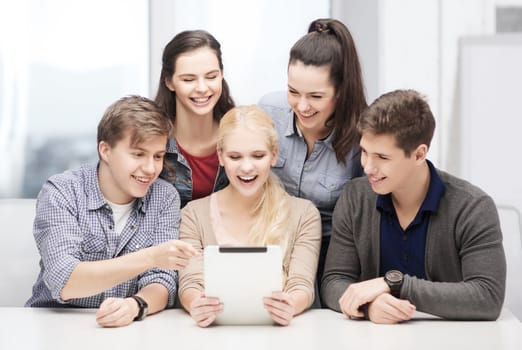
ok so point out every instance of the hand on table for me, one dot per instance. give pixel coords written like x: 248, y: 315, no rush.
x: 358, y: 294
x: 116, y: 312
x: 388, y: 309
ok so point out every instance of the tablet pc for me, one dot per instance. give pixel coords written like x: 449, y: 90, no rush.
x: 240, y: 277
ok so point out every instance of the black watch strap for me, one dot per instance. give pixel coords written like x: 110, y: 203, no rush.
x: 143, y: 308
x: 394, y: 279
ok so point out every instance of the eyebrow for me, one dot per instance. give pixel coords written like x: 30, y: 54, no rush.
x: 138, y: 148
x: 377, y: 153
x: 193, y: 75
x: 247, y: 152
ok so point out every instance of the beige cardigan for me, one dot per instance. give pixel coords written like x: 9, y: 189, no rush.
x: 299, y: 261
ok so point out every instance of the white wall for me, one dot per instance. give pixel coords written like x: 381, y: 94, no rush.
x: 61, y: 64
x: 362, y: 19
x: 255, y: 37
x: 491, y: 74
x: 414, y: 44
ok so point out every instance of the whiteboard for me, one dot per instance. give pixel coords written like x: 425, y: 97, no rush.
x: 491, y: 115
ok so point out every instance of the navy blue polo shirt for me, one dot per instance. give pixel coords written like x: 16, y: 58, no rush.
x: 404, y: 250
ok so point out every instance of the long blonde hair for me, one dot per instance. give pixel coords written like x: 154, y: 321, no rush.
x: 272, y: 210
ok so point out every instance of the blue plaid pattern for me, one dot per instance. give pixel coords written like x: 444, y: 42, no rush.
x: 74, y: 223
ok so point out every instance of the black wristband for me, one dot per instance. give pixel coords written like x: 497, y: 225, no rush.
x: 143, y: 307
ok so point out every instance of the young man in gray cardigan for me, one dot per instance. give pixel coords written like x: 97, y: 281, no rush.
x: 408, y: 236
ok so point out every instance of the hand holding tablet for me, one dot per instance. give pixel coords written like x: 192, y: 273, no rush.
x: 281, y: 307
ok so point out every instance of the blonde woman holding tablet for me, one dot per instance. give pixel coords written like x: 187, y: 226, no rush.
x: 253, y: 210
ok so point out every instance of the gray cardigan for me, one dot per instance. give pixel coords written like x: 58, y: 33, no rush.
x: 465, y: 263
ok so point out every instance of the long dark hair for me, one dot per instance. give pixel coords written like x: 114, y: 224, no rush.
x: 184, y: 42
x: 329, y: 43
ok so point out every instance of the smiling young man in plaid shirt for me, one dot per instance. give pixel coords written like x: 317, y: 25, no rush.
x: 107, y: 232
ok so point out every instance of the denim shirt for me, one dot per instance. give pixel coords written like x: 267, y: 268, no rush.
x: 183, y: 173
x: 74, y: 223
x: 320, y: 178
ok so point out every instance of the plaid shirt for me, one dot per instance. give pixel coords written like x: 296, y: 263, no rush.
x: 74, y: 223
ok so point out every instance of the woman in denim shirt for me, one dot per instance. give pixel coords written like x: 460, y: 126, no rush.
x: 195, y: 95
x: 316, y: 120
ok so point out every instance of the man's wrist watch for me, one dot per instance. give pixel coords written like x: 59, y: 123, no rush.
x: 143, y: 308
x: 393, y: 279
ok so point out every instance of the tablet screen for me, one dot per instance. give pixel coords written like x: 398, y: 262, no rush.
x: 240, y: 277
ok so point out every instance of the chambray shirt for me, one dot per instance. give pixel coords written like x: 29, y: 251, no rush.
x: 320, y: 178
x: 180, y: 173
x: 74, y: 223
x: 404, y: 250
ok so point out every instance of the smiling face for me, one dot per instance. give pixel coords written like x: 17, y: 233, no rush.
x: 127, y: 171
x: 247, y: 158
x: 311, y: 95
x: 197, y: 82
x: 388, y: 168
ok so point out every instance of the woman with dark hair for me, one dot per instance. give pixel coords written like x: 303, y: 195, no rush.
x: 193, y: 92
x: 316, y: 120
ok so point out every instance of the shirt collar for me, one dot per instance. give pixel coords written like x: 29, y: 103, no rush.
x: 95, y: 198
x: 435, y: 191
x: 431, y: 202
x: 292, y: 129
x: 172, y: 146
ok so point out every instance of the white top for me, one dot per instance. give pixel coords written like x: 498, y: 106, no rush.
x: 120, y: 214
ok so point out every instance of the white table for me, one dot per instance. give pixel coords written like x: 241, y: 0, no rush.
x: 33, y: 328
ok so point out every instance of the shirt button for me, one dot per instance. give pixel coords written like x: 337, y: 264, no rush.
x: 404, y: 257
x: 110, y: 227
x: 404, y: 237
x: 137, y: 246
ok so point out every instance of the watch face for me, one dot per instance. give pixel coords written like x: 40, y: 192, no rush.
x: 394, y: 276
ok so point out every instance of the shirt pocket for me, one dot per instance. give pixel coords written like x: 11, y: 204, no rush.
x: 330, y: 189
x: 93, y: 248
x: 140, y: 241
